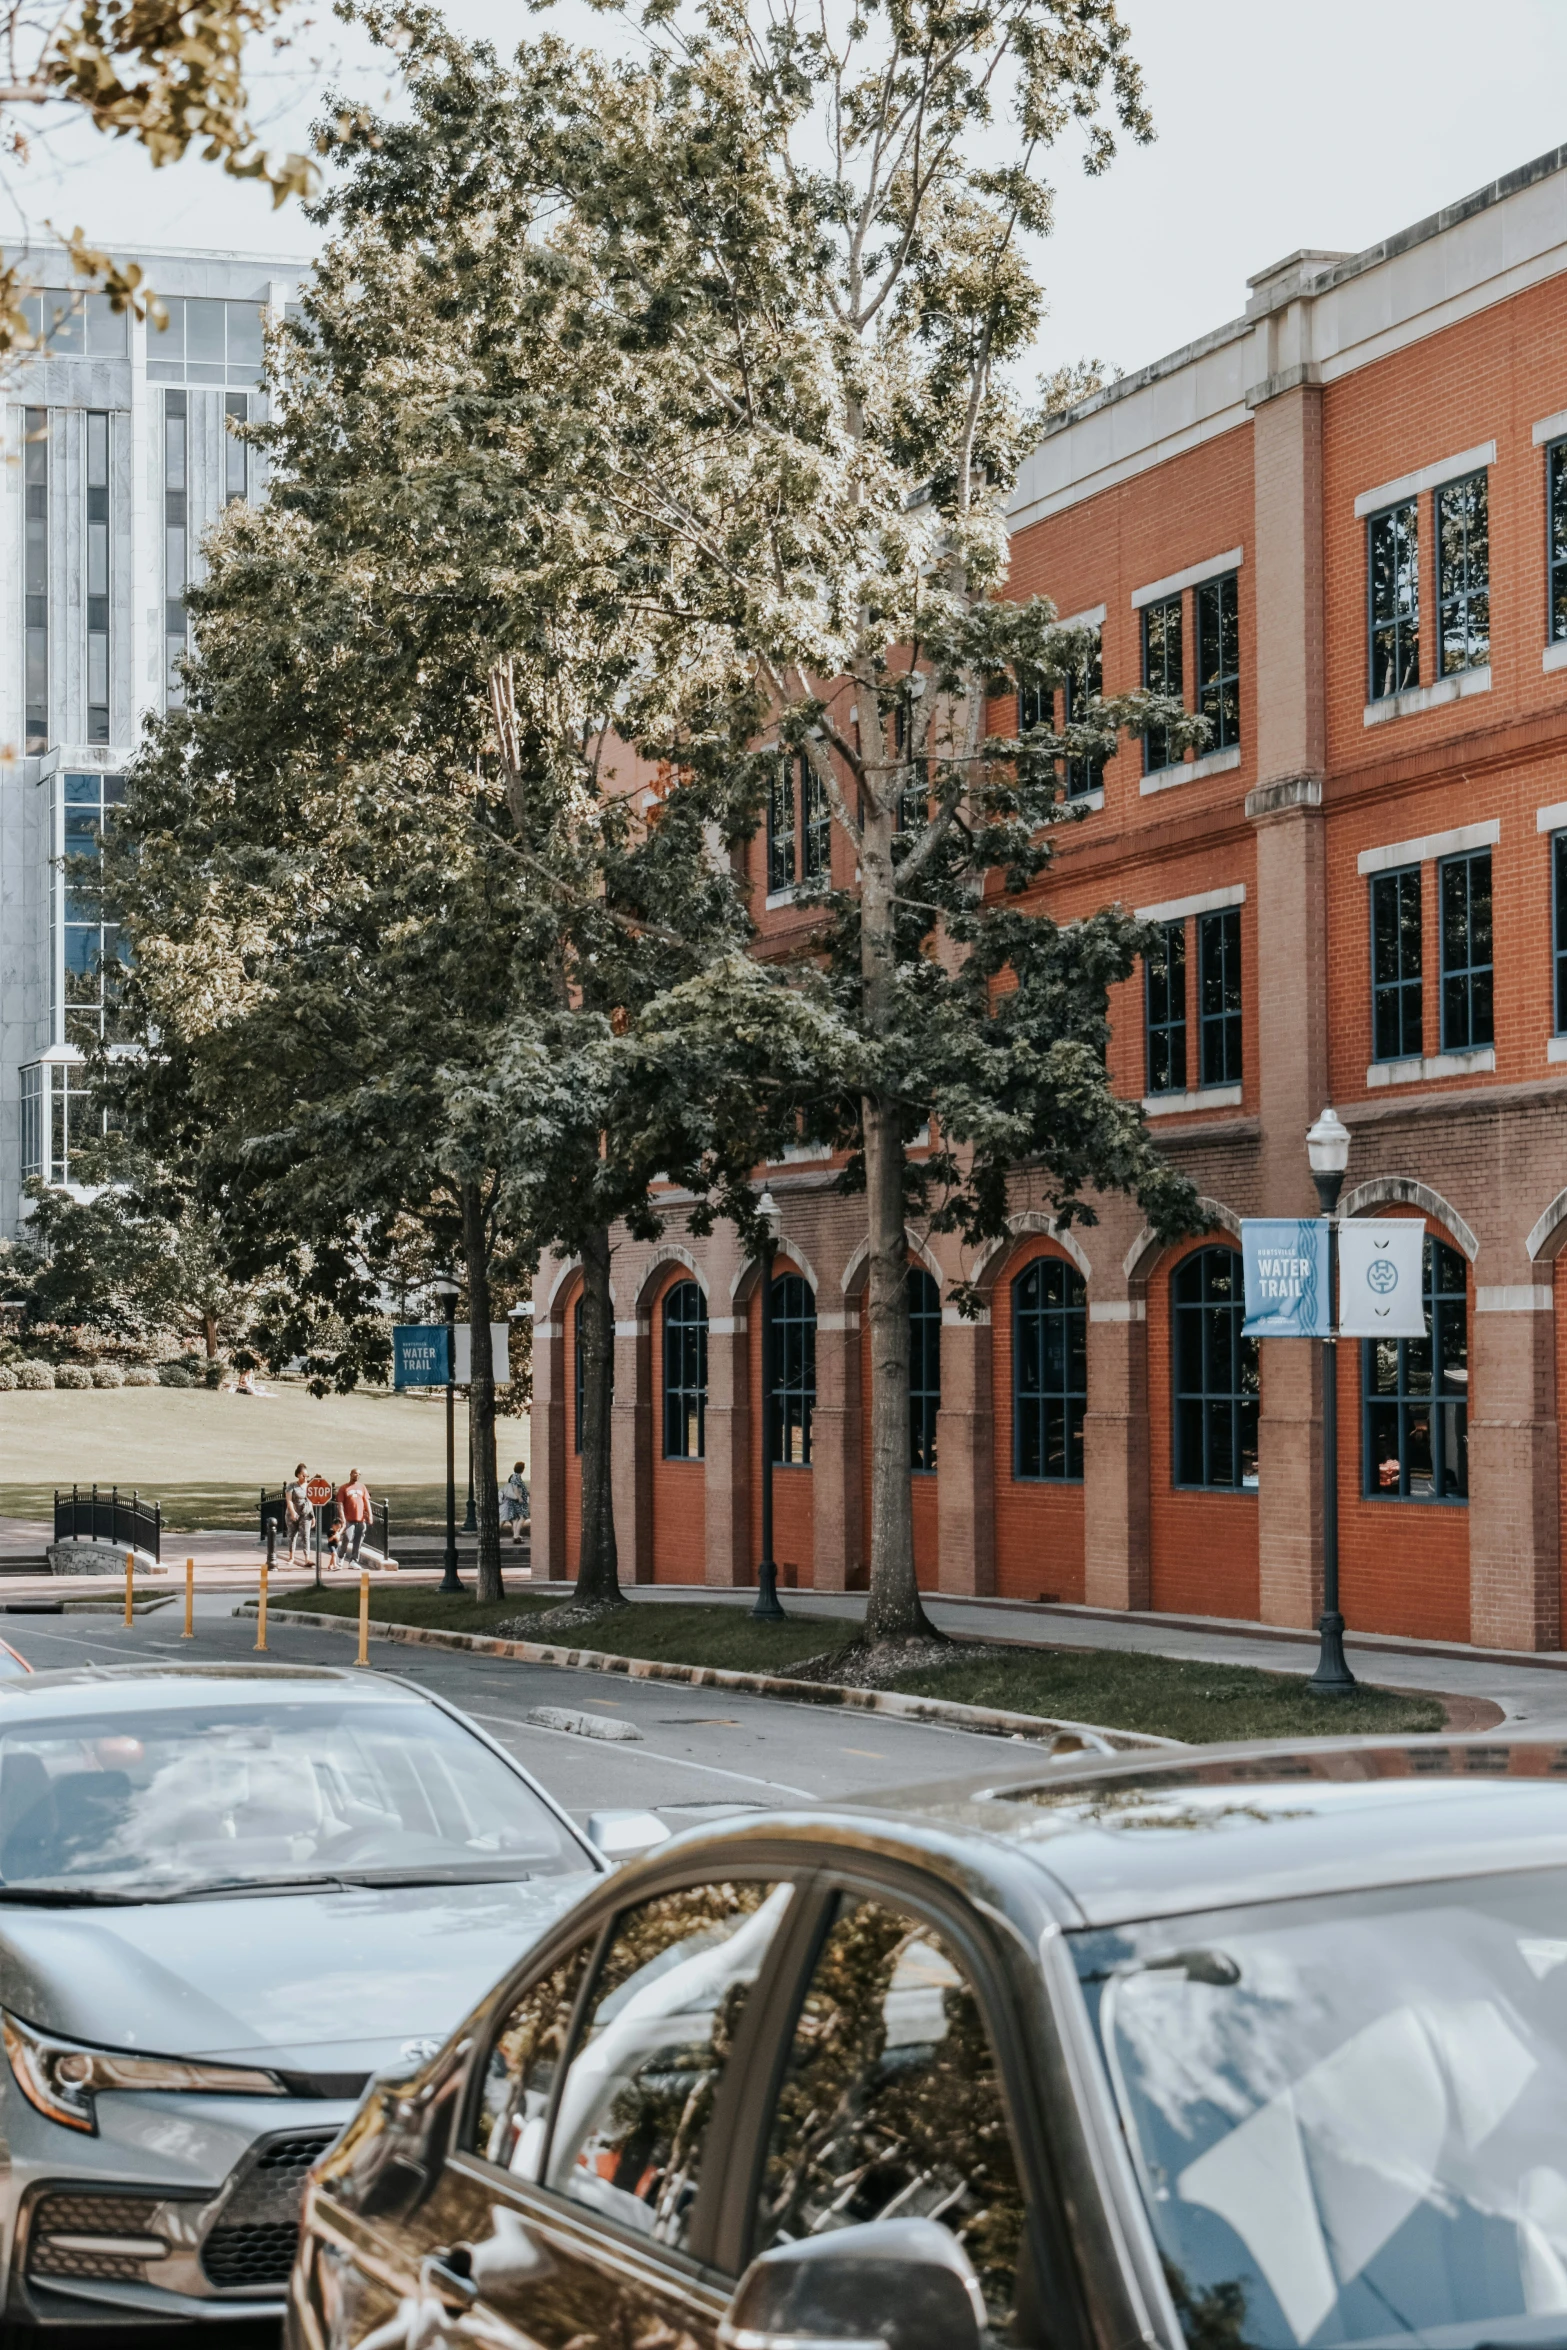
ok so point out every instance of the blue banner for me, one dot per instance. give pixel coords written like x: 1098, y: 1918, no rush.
x: 1286, y: 1260
x: 420, y: 1354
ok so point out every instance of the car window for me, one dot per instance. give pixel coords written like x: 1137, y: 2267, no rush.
x: 639, y: 2093
x: 520, y: 2071
x: 890, y: 2106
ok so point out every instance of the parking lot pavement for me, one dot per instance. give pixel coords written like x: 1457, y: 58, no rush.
x: 700, y: 1751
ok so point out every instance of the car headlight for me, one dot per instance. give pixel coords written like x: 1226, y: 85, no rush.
x: 61, y: 2077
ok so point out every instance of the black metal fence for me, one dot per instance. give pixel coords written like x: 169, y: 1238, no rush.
x: 131, y: 1524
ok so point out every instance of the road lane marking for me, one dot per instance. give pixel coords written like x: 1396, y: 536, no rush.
x: 678, y: 1762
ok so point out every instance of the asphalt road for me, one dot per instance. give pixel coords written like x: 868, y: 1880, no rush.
x: 699, y: 1753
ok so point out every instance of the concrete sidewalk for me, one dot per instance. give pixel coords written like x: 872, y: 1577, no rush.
x: 1528, y: 1689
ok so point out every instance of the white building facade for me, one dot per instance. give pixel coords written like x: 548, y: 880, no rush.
x: 119, y: 453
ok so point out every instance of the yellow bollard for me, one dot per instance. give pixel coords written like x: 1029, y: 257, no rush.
x: 261, y: 1612
x: 130, y: 1586
x: 363, y: 1658
x: 190, y: 1600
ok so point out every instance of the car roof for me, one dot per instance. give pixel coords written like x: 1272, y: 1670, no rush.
x: 142, y: 1687
x: 1149, y: 1836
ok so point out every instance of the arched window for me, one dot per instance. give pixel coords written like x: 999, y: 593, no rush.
x: 577, y: 1360
x: 1217, y: 1382
x: 685, y: 1372
x: 1415, y: 1413
x: 924, y: 1369
x: 794, y: 1369
x: 1049, y: 1369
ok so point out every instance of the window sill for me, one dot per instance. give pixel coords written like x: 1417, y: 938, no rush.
x: 1085, y: 799
x: 1556, y: 1048
x: 1438, y: 1065
x: 1419, y: 1501
x: 1207, y: 1097
x: 1192, y: 771
x: 781, y: 897
x: 1428, y: 697
x: 1231, y: 1492
x: 1019, y: 1479
x: 1554, y: 657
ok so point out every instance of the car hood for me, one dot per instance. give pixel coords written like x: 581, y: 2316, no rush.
x: 314, y: 1982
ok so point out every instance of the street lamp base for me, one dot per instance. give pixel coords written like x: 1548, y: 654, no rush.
x: 1332, y: 1677
x: 767, y: 1606
x: 450, y: 1580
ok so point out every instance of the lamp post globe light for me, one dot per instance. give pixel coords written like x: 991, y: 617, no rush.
x: 445, y: 1287
x: 767, y: 1570
x: 1327, y: 1150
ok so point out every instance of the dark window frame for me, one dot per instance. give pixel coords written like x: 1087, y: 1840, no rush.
x: 781, y: 848
x: 1049, y: 1371
x: 1219, y: 1001
x: 1443, y: 1400
x: 1466, y: 604
x: 1559, y: 928
x: 1219, y: 690
x: 1164, y: 1025
x: 1556, y: 542
x: 794, y: 1370
x: 1170, y: 655
x: 1084, y: 775
x: 1398, y: 1002
x: 1402, y: 628
x: 577, y: 1359
x: 684, y: 1370
x: 1236, y: 1400
x: 924, y: 1370
x: 35, y: 578
x: 1468, y: 986
x: 98, y: 438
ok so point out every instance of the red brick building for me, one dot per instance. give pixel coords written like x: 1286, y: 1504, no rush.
x: 1339, y: 524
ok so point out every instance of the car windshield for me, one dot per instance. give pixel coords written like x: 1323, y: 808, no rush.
x: 228, y: 1793
x: 1346, y: 2114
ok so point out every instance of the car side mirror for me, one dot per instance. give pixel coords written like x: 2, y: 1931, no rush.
x: 623, y: 1835
x: 894, y: 2284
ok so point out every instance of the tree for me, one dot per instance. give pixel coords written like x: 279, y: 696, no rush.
x: 808, y: 237
x: 136, y: 1257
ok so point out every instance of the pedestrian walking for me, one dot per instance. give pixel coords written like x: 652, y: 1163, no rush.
x: 353, y: 1501
x: 515, y: 1508
x: 298, y: 1515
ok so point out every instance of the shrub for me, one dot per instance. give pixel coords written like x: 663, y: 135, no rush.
x: 174, y: 1375
x: 35, y: 1375
x: 141, y: 1375
x: 107, y: 1375
x: 72, y: 1375
x: 213, y: 1371
x: 7, y: 1379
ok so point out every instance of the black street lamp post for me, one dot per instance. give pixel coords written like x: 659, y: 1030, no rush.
x: 446, y: 1288
x: 1327, y: 1148
x: 767, y: 1569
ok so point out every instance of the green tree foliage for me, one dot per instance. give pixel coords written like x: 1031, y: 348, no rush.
x: 136, y: 1258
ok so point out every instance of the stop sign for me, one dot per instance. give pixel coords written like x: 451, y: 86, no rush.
x: 319, y: 1490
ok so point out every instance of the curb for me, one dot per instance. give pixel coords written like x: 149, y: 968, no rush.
x: 1062, y: 1736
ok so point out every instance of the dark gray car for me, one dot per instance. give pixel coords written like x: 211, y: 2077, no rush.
x: 228, y: 1896
x: 1238, y: 2047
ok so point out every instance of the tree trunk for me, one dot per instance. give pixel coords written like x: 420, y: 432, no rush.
x: 893, y: 1611
x: 481, y: 1397
x: 598, y: 1568
x: 209, y: 1324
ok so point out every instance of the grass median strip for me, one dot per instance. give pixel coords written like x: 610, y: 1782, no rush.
x: 1163, y: 1697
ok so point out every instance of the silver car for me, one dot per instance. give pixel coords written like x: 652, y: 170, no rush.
x: 228, y: 1897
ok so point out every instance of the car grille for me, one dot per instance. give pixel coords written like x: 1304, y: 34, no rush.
x: 253, y: 2242
x: 89, y: 2215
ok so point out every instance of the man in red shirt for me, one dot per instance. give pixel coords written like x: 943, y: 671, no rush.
x: 353, y: 1501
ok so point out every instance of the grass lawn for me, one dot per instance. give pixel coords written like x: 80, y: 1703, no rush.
x: 206, y: 1455
x: 1122, y: 1690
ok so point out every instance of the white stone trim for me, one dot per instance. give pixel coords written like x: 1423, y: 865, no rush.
x: 1556, y: 1048
x: 1435, y: 1065
x: 1549, y: 1224
x: 1193, y: 576
x: 549, y: 1329
x: 781, y: 897
x: 1166, y: 778
x: 1208, y: 1097
x: 1026, y: 1221
x: 1516, y: 1297
x: 640, y: 1328
x: 1554, y: 657
x: 1550, y: 428
x: 1118, y: 1309
x: 1148, y: 1245
x: 1402, y: 1190
x: 1429, y: 846
x: 1428, y: 697
x: 1429, y: 477
x: 1207, y: 901
x: 1094, y: 617
x: 847, y: 1321
x: 727, y: 1326
x: 1086, y: 799
x: 1552, y: 817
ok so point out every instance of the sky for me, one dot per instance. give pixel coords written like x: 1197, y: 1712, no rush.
x: 1277, y: 126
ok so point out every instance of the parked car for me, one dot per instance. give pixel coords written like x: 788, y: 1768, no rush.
x: 228, y: 1897
x: 1238, y: 2047
x: 11, y: 1662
